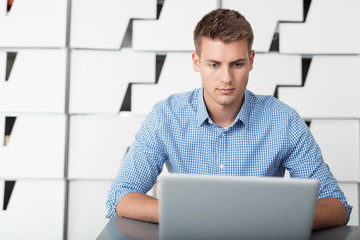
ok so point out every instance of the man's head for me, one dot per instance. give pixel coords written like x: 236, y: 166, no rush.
x: 224, y: 25
x: 223, y: 39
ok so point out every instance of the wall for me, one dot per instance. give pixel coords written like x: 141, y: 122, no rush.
x: 77, y: 77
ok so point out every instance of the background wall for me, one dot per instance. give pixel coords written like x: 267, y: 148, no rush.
x: 77, y: 78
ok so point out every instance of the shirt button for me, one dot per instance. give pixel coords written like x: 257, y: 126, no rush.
x: 223, y: 134
x: 221, y: 166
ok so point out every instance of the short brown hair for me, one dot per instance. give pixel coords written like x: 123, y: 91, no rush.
x: 225, y: 25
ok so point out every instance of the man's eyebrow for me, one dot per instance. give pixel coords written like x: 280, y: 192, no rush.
x: 240, y: 60
x: 210, y: 60
x: 237, y: 60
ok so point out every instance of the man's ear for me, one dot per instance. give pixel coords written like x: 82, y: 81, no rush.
x: 196, y: 61
x: 251, y: 59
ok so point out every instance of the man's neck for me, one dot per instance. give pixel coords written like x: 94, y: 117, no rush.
x: 224, y: 116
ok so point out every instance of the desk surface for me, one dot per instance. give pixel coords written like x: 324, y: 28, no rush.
x: 127, y: 229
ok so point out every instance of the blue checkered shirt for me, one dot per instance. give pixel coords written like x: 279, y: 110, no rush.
x: 266, y: 138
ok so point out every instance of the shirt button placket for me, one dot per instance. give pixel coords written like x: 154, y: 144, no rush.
x: 221, y: 157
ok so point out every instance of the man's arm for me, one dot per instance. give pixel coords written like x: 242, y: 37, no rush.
x: 138, y: 206
x: 138, y: 173
x: 305, y: 161
x: 329, y: 212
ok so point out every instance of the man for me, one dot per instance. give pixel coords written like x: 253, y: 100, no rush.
x: 223, y: 129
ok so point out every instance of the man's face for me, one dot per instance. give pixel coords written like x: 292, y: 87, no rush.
x: 224, y: 70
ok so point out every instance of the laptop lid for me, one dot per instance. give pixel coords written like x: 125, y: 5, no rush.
x: 234, y: 207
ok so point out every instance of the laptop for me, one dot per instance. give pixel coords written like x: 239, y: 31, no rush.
x: 235, y: 207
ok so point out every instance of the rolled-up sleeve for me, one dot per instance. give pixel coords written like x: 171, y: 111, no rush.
x: 305, y: 161
x: 142, y: 164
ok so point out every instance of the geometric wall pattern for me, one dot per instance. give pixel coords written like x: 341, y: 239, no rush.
x: 78, y: 77
x: 100, y: 85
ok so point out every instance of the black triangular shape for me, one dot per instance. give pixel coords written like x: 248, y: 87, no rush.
x: 160, y: 4
x: 126, y: 105
x: 275, y: 43
x: 160, y: 59
x: 308, y: 123
x: 127, y: 40
x: 305, y: 65
x: 9, y: 187
x: 306, y: 6
x: 10, y: 60
x: 9, y: 124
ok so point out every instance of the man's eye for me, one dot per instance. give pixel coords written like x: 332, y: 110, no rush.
x: 213, y: 65
x: 237, y: 65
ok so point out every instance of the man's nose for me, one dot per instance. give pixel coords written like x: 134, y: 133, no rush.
x: 226, y: 75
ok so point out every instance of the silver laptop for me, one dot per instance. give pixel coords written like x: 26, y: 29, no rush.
x: 233, y: 207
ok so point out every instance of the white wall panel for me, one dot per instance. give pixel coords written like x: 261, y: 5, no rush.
x: 36, y: 148
x: 3, y: 7
x: 332, y: 89
x: 274, y: 69
x: 331, y: 27
x: 2, y: 66
x: 36, y: 23
x: 101, y: 24
x: 35, y: 211
x: 340, y: 148
x: 351, y: 191
x: 99, y: 143
x: 99, y: 79
x: 177, y: 75
x: 174, y: 29
x: 264, y: 16
x: 37, y: 83
x: 85, y: 197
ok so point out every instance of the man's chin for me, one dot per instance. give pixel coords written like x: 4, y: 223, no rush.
x: 228, y: 101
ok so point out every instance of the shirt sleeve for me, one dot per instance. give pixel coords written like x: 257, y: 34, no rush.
x: 142, y: 164
x: 305, y: 161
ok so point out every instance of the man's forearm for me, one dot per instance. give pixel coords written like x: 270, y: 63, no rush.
x: 329, y: 212
x: 138, y: 206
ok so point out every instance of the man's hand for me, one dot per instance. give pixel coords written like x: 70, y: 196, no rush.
x: 138, y: 206
x: 329, y: 212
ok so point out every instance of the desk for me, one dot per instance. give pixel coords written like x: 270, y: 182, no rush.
x: 126, y: 229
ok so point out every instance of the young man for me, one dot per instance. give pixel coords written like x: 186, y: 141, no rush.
x: 223, y: 129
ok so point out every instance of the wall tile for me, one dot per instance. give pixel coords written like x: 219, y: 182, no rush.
x: 36, y: 84
x: 340, y: 148
x: 35, y: 210
x: 100, y: 79
x: 334, y: 31
x: 36, y: 148
x: 99, y: 143
x: 332, y: 89
x: 35, y: 24
x: 102, y: 24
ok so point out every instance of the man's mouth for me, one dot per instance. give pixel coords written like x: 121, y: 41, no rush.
x: 225, y: 90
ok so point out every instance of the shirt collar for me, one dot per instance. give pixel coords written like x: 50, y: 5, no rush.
x: 245, y: 110
x: 202, y: 113
x: 242, y: 116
